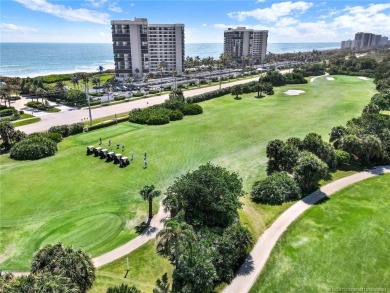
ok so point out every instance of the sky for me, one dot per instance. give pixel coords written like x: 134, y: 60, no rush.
x: 88, y: 21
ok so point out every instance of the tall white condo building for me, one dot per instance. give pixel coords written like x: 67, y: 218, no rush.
x: 141, y: 48
x: 242, y: 42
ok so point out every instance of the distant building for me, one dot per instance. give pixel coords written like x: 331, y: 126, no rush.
x: 347, y: 44
x: 365, y: 41
x: 141, y: 48
x: 242, y: 42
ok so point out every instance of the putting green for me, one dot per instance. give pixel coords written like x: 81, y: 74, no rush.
x: 339, y: 243
x: 83, y: 201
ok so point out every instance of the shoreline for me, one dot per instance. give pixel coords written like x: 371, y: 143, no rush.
x: 108, y: 66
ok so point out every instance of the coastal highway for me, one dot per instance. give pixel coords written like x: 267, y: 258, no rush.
x: 70, y: 116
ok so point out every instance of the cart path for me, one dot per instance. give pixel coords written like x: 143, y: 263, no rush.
x: 256, y: 260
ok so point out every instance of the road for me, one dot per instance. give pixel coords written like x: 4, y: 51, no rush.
x: 69, y: 116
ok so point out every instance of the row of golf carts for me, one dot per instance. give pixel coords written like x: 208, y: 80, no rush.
x: 104, y: 154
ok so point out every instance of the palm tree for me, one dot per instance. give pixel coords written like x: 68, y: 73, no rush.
x: 75, y: 80
x: 173, y: 236
x: 148, y: 192
x: 96, y: 81
x: 237, y: 90
x: 174, y: 74
x: 210, y: 69
x: 101, y: 69
x: 40, y: 92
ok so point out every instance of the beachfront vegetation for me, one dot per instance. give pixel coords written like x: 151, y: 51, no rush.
x: 233, y: 135
x: 343, y: 236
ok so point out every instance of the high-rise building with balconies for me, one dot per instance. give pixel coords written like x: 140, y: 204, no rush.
x: 141, y: 48
x: 242, y: 42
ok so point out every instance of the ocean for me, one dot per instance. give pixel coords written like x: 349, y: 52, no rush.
x: 36, y: 59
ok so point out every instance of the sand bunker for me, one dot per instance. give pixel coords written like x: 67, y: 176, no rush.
x: 330, y: 78
x: 363, y: 77
x: 294, y: 92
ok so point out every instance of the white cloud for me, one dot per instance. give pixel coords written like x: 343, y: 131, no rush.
x: 132, y: 4
x: 96, y: 3
x: 274, y: 12
x: 204, y: 24
x: 68, y: 13
x: 114, y: 7
x: 260, y: 1
x: 102, y: 34
x: 9, y: 28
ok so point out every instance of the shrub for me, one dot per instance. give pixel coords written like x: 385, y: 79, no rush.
x: 21, y: 112
x: 175, y: 115
x: 33, y: 148
x: 191, y: 109
x: 167, y: 88
x: 56, y: 137
x: 154, y: 91
x: 309, y: 171
x: 158, y: 119
x: 107, y: 123
x: 7, y: 112
x: 342, y: 157
x: 275, y: 189
x: 62, y: 129
x: 214, y: 79
x: 203, y: 81
x: 119, y: 98
x: 75, y: 128
x: 138, y: 94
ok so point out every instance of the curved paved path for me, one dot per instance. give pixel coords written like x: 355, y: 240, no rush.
x: 249, y: 271
x: 254, y: 264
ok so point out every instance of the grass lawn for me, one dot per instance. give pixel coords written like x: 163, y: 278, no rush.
x: 26, y: 121
x: 88, y: 203
x: 145, y: 267
x: 340, y: 243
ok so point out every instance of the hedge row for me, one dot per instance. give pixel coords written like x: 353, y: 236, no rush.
x: 171, y: 110
x: 107, y: 123
x: 7, y: 112
x: 40, y: 106
x: 66, y: 130
x: 209, y: 95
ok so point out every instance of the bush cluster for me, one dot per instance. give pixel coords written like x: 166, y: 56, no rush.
x: 119, y: 98
x: 154, y: 91
x: 171, y: 110
x: 42, y: 107
x: 275, y: 189
x: 8, y: 112
x: 138, y: 94
x: 107, y: 123
x: 33, y: 148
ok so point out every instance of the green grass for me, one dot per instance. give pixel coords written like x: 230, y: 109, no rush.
x: 145, y: 267
x: 340, y: 243
x: 83, y: 201
x: 26, y: 121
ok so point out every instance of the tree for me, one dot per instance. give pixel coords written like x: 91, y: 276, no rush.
x: 40, y: 92
x: 263, y: 87
x: 237, y: 90
x: 162, y: 285
x: 314, y: 144
x: 75, y: 80
x: 148, y: 192
x: 281, y: 156
x: 173, y: 238
x: 41, y: 283
x: 101, y: 69
x: 67, y: 262
x: 96, y: 81
x: 123, y: 288
x: 275, y: 189
x: 9, y: 135
x: 309, y: 171
x: 208, y: 196
x: 196, y: 273
x: 275, y: 78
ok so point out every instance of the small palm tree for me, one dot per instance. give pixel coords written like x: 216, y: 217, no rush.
x: 148, y: 192
x: 40, y: 92
x: 174, y: 235
x: 75, y: 80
